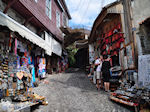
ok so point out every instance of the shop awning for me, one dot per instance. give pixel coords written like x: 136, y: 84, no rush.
x: 23, y: 31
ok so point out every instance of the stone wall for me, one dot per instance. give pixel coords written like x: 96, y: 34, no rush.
x: 141, y: 11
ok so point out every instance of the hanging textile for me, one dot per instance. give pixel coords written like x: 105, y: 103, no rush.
x: 118, y: 45
x: 16, y: 46
x: 107, y: 40
x: 113, y: 38
x: 121, y: 40
x: 110, y: 33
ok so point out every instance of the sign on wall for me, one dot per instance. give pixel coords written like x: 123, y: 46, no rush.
x: 144, y: 70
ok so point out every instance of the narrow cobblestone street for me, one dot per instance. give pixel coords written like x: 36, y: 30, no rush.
x: 73, y: 92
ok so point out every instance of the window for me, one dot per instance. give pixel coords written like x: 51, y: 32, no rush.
x: 65, y: 20
x: 57, y: 19
x: 48, y: 8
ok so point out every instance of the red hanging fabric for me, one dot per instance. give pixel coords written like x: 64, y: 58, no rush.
x: 117, y: 36
x: 110, y: 48
x: 109, y: 40
x: 120, y: 35
x: 115, y: 52
x: 106, y: 35
x: 119, y: 26
x: 108, y: 51
x: 118, y: 45
x: 104, y: 53
x: 104, y: 47
x: 121, y: 40
x: 106, y: 40
x: 113, y: 46
x: 114, y: 38
x: 110, y: 33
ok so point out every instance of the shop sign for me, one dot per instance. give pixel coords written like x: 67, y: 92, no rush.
x: 144, y: 70
x: 134, y: 29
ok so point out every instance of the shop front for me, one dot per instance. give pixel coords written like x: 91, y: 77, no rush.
x: 22, y: 56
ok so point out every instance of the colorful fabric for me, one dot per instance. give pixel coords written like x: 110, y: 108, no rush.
x: 15, y: 46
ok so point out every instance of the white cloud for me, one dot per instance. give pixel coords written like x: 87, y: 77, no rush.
x: 84, y: 12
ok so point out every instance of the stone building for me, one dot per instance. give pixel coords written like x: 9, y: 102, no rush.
x: 108, y: 36
x: 140, y: 18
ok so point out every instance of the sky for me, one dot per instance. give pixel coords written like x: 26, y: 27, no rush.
x: 84, y: 12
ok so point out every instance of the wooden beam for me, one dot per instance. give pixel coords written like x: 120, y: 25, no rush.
x: 10, y: 3
x: 28, y: 20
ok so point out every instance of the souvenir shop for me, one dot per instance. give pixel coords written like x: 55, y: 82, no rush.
x: 124, y: 78
x: 134, y: 89
x: 110, y: 43
x: 17, y: 71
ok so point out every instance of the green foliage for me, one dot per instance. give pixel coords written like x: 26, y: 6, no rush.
x: 72, y: 50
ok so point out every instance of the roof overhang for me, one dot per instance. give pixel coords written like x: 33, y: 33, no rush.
x: 64, y: 7
x: 107, y: 10
x: 23, y: 31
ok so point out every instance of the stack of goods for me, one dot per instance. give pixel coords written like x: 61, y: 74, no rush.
x: 115, y: 76
x: 12, y: 65
x: 41, y: 99
x: 8, y: 106
x: 3, y: 74
x: 132, y: 96
x: 124, y: 97
x: 15, y: 80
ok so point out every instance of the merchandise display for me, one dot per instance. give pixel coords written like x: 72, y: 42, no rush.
x: 116, y: 74
x: 17, y: 75
x: 130, y: 93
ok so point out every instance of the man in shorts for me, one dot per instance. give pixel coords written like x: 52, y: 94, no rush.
x: 98, y: 65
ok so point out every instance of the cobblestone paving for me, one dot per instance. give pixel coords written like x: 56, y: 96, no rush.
x: 73, y: 92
